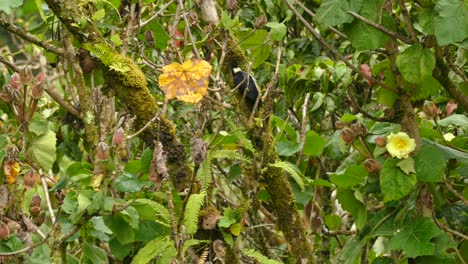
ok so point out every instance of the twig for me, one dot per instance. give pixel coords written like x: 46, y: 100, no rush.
x: 409, y: 23
x: 312, y: 14
x: 9, y: 64
x: 380, y: 27
x: 355, y: 104
x: 447, y: 229
x: 303, y: 125
x: 160, y: 11
x: 25, y: 249
x: 454, y: 192
x: 144, y: 127
x: 46, y: 194
x: 20, y: 32
x: 57, y: 98
x: 334, y: 51
x: 187, y: 26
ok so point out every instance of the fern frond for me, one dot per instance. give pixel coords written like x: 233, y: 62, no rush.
x: 103, y: 52
x: 192, y: 211
x: 228, y: 238
x: 168, y: 254
x: 243, y: 140
x: 204, y: 173
x: 158, y: 209
x: 259, y: 257
x: 292, y: 170
x: 151, y: 250
x: 229, y: 154
x: 194, y: 242
x: 203, y: 256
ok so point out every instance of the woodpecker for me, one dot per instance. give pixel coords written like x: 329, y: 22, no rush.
x: 246, y: 81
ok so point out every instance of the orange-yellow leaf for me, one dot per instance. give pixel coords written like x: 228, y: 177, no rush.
x: 187, y: 82
x: 11, y: 170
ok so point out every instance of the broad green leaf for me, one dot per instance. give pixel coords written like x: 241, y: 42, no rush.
x: 352, y: 176
x: 394, y: 183
x: 252, y: 39
x: 128, y: 182
x: 120, y: 251
x: 317, y: 101
x: 407, y: 165
x: 93, y: 253
x: 415, y: 238
x: 43, y: 149
x: 350, y: 252
x: 38, y: 126
x: 314, y: 144
x: 278, y: 30
x: 454, y: 120
x: 99, y: 230
x: 350, y: 203
x: 333, y: 222
x: 426, y: 88
x: 160, y: 35
x: 131, y: 215
x: 9, y: 5
x: 288, y: 148
x: 334, y: 12
x: 416, y: 63
x: 430, y: 164
x: 120, y: 227
x: 282, y: 125
x: 365, y: 37
x: 99, y: 14
x: 426, y: 20
x: 451, y: 21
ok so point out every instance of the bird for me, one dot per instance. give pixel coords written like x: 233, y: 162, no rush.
x: 247, y: 85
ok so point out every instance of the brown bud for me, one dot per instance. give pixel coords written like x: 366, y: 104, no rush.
x: 4, y: 231
x: 430, y: 109
x: 118, y: 137
x: 15, y: 81
x: 40, y: 78
x: 36, y: 200
x: 6, y: 94
x: 36, y: 91
x: 380, y: 141
x: 372, y: 166
x: 359, y: 129
x: 59, y: 195
x: 348, y: 135
x: 26, y: 75
x: 339, y: 124
x: 35, y: 211
x: 30, y: 179
x: 261, y: 21
x: 102, y: 151
x: 39, y: 220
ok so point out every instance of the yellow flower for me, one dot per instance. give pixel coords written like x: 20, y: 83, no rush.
x: 400, y: 145
x: 449, y: 136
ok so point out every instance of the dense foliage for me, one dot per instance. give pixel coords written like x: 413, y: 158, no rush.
x: 126, y: 139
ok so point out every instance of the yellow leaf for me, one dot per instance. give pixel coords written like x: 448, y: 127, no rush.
x: 11, y: 170
x: 187, y: 82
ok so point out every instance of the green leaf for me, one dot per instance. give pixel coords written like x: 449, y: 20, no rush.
x: 314, y: 144
x: 131, y: 215
x: 350, y: 252
x: 161, y: 36
x: 350, y: 203
x: 235, y: 229
x: 119, y: 250
x: 120, y: 227
x: 426, y: 88
x: 451, y: 21
x: 288, y: 148
x: 415, y: 238
x: 151, y: 250
x: 277, y: 122
x: 38, y: 126
x: 333, y: 222
x: 426, y: 20
x: 192, y: 211
x: 116, y: 40
x: 93, y: 253
x: 292, y: 169
x: 99, y: 230
x: 454, y: 120
x: 407, y: 165
x: 334, y: 12
x: 10, y: 5
x: 128, y: 182
x: 416, y: 63
x: 352, y: 176
x: 430, y: 164
x: 366, y: 37
x: 43, y: 149
x: 278, y: 30
x: 394, y: 183
x: 99, y: 14
x: 259, y: 257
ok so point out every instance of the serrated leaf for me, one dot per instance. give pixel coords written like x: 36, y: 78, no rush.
x: 394, y: 183
x: 352, y: 176
x: 278, y: 30
x: 314, y: 144
x: 350, y: 203
x: 407, y: 165
x: 98, y: 15
x: 94, y: 253
x: 192, y: 211
x: 415, y: 238
x: 451, y: 21
x: 43, y: 149
x: 430, y: 164
x: 116, y: 40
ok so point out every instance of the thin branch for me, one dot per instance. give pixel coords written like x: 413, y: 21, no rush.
x: 454, y: 192
x: 9, y: 64
x: 303, y: 125
x: 356, y: 105
x: 312, y: 14
x: 187, y: 23
x: 58, y: 98
x: 20, y: 32
x: 334, y: 51
x: 409, y: 23
x: 447, y: 229
x: 144, y: 127
x: 25, y: 249
x: 47, y: 198
x: 380, y: 27
x: 160, y: 11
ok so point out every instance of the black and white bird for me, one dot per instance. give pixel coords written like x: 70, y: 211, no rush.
x: 247, y: 85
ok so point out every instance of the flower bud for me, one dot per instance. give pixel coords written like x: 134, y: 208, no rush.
x: 4, y: 231
x: 372, y: 166
x: 430, y: 109
x: 36, y: 91
x: 26, y: 75
x: 35, y: 210
x: 40, y: 78
x: 15, y: 81
x: 6, y: 94
x: 30, y: 179
x: 380, y: 141
x: 118, y: 137
x: 102, y: 151
x: 348, y: 135
x: 359, y: 129
x: 36, y: 200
